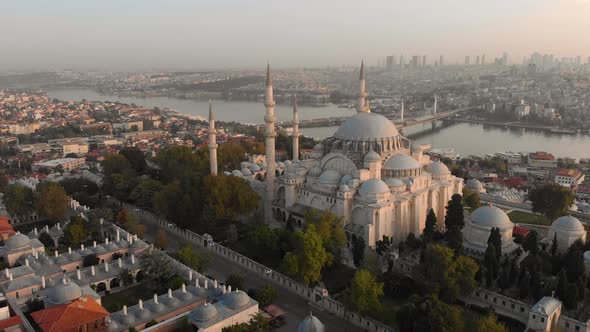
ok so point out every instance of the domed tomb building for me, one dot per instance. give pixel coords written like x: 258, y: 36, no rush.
x: 478, y: 227
x: 566, y: 230
x: 367, y: 173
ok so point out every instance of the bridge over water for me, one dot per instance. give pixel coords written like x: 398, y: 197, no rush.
x: 408, y: 122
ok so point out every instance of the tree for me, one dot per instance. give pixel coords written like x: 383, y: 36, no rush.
x: 329, y: 228
x: 383, y: 246
x: 151, y: 323
x: 265, y: 295
x: 232, y: 234
x: 73, y: 186
x: 552, y: 200
x: 192, y: 259
x: 230, y: 156
x: 495, y: 239
x: 116, y: 164
x: 75, y: 232
x: 531, y: 243
x: 371, y: 263
x: 3, y: 182
x: 155, y: 265
x: 561, y: 289
x: 455, y: 239
x: 358, y: 250
x: 126, y: 219
x: 455, y: 216
x: 19, y: 201
x: 471, y: 199
x: 161, y: 240
x: 364, y: 292
x: 90, y: 260
x: 421, y: 314
x: 46, y: 239
x: 51, y: 201
x: 144, y: 192
x: 430, y: 228
x: 489, y: 323
x: 445, y: 274
x: 309, y: 257
x: 235, y: 280
x: 135, y: 157
x: 491, y: 264
x: 229, y: 197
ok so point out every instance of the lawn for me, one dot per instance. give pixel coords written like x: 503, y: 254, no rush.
x: 520, y: 217
x: 130, y: 296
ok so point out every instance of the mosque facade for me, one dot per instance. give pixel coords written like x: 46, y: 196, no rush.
x: 367, y: 173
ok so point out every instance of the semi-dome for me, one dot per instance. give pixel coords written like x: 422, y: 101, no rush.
x: 318, y: 148
x: 438, y: 168
x: 568, y: 224
x: 236, y: 299
x: 365, y: 126
x: 310, y: 324
x: 330, y: 177
x: 17, y: 241
x: 315, y: 171
x: 204, y: 313
x: 64, y: 292
x: 346, y: 178
x: 474, y: 185
x: 236, y: 173
x: 246, y: 171
x: 372, y: 156
x: 401, y: 161
x: 394, y: 182
x: 374, y: 186
x: 491, y: 216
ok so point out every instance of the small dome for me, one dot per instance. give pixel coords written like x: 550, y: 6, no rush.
x: 204, y: 313
x: 330, y: 177
x: 474, y: 185
x: 142, y: 314
x: 254, y: 168
x: 567, y: 224
x: 128, y: 320
x: 315, y: 171
x: 64, y: 292
x: 400, y: 162
x: 288, y: 163
x: 156, y: 307
x: 354, y: 183
x: 112, y: 325
x: 394, y: 182
x: 438, y: 168
x: 236, y: 299
x: 310, y: 324
x: 281, y: 164
x: 345, y: 179
x: 318, y: 148
x: 374, y: 186
x: 236, y: 173
x: 344, y: 187
x: 372, y: 156
x: 491, y: 216
x: 246, y: 171
x: 17, y: 241
x: 185, y: 296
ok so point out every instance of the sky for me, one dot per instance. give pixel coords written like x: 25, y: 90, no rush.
x: 223, y: 34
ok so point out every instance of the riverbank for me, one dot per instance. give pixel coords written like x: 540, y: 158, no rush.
x: 520, y: 125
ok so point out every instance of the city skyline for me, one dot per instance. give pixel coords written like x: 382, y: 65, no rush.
x: 230, y: 34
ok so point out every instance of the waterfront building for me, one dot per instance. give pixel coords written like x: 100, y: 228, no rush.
x: 367, y: 173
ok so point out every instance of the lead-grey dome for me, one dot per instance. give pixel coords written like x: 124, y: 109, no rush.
x: 491, y: 216
x: 474, y: 185
x: 236, y: 299
x: 18, y: 241
x: 374, y: 186
x: 394, y: 182
x: 64, y: 292
x: 372, y: 156
x: 310, y: 324
x: 400, y: 161
x: 315, y: 171
x: 567, y: 224
x: 366, y: 127
x: 204, y: 313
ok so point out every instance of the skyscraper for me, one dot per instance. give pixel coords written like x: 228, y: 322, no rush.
x: 477, y: 60
x: 505, y: 61
x: 415, y: 61
x: 389, y: 61
x: 424, y: 61
x: 467, y: 60
x: 441, y: 60
x: 483, y: 59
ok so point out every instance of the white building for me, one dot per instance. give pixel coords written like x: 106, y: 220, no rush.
x: 566, y: 230
x: 569, y: 178
x: 478, y: 227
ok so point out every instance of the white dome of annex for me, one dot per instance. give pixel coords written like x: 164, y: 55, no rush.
x: 372, y: 156
x: 474, y: 185
x: 478, y: 227
x: 491, y: 216
x: 566, y: 230
x: 365, y: 126
x: 395, y: 182
x: 204, y: 313
x: 18, y: 241
x: 236, y: 299
x: 310, y: 324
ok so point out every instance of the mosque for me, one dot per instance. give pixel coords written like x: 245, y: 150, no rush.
x: 367, y: 173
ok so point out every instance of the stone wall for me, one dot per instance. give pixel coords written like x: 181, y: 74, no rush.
x: 315, y: 296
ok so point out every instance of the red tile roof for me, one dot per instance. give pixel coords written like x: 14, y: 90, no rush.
x: 5, y: 226
x: 68, y: 317
x: 9, y: 322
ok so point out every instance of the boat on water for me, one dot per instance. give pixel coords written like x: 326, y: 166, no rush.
x: 563, y: 131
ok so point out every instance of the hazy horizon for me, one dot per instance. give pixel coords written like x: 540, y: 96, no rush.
x: 189, y: 35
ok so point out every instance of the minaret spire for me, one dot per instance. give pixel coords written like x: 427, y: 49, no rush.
x: 270, y: 134
x: 435, y: 104
x: 295, y: 130
x: 363, y: 95
x: 212, y: 142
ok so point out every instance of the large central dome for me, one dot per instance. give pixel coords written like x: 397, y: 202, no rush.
x: 366, y: 127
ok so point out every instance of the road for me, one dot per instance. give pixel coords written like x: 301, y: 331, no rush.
x: 220, y: 268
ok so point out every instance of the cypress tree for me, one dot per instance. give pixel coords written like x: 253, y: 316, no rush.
x: 430, y: 227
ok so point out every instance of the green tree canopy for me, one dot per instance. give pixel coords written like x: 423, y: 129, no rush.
x: 51, y: 200
x: 135, y: 157
x: 75, y: 232
x: 230, y: 156
x: 552, y: 200
x: 329, y: 228
x: 428, y: 313
x: 455, y: 215
x: 495, y: 239
x: 309, y: 257
x: 229, y: 197
x: 144, y: 192
x: 489, y: 323
x: 430, y: 228
x: 193, y: 259
x: 19, y: 200
x: 364, y: 293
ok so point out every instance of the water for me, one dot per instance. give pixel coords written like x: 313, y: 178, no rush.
x: 466, y: 139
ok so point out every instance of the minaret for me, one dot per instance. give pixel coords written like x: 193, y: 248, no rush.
x: 363, y: 94
x: 402, y: 116
x: 295, y: 130
x: 269, y: 119
x: 435, y: 101
x: 212, y: 142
